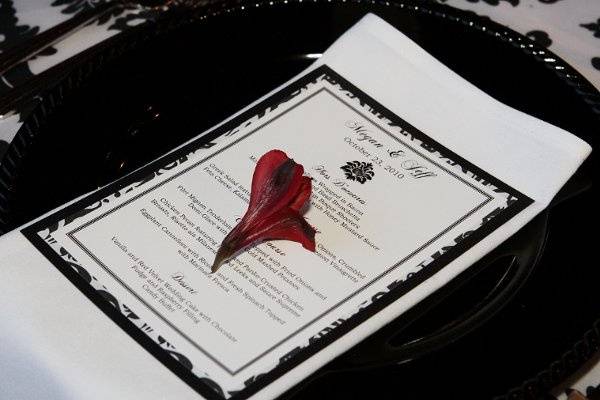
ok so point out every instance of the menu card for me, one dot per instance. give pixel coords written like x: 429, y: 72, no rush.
x: 397, y: 215
x: 387, y: 203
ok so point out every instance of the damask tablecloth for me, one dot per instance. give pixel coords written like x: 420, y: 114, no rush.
x: 570, y: 28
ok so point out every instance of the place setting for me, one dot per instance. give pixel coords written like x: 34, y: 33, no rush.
x: 298, y: 200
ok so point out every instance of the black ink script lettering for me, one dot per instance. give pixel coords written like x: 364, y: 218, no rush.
x: 363, y: 134
x: 180, y: 279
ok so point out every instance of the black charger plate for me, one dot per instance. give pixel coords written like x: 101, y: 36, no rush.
x: 511, y: 321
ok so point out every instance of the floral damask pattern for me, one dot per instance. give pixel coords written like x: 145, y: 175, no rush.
x: 541, y: 20
x: 12, y: 32
x: 359, y: 171
x: 560, y: 25
x: 594, y: 27
x: 539, y: 36
x: 514, y: 3
x: 76, y: 6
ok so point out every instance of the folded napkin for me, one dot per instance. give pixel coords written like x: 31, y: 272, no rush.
x: 56, y: 343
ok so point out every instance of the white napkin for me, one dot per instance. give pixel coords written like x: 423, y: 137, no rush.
x: 57, y: 345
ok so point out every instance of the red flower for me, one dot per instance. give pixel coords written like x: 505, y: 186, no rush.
x: 279, y: 192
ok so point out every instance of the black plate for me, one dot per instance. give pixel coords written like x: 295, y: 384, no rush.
x: 150, y: 89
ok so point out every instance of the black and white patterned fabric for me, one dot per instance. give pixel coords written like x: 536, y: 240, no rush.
x: 570, y: 28
x: 22, y: 19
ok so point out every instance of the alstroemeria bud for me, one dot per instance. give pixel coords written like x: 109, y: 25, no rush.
x: 278, y: 194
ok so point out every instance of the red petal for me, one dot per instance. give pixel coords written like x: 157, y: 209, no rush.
x: 275, y: 183
x: 279, y: 192
x: 264, y: 168
x: 303, y: 194
x: 285, y: 224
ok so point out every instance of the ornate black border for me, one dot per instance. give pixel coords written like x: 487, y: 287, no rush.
x: 515, y: 202
x: 96, y: 258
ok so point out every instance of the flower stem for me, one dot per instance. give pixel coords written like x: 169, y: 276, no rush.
x: 223, y: 254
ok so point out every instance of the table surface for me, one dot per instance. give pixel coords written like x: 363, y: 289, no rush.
x: 570, y: 28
